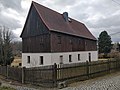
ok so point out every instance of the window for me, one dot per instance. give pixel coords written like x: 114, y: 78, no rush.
x: 79, y: 41
x: 59, y: 39
x: 70, y: 58
x: 70, y: 41
x: 89, y: 57
x: 41, y: 60
x: 85, y: 43
x: 28, y: 59
x: 78, y: 57
x: 41, y: 40
x: 37, y: 24
x: 61, y: 59
x: 20, y: 64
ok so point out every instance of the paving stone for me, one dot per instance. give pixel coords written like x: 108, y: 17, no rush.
x: 111, y: 82
x: 108, y: 82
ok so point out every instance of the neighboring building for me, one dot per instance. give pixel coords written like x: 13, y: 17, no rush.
x: 49, y: 37
x: 16, y: 62
x: 116, y: 47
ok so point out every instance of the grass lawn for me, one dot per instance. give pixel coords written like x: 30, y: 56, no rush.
x: 6, y: 88
x: 103, y: 59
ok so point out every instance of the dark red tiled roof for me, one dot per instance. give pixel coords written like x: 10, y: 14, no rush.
x: 55, y: 22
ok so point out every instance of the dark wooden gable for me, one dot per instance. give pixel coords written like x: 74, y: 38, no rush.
x: 34, y: 25
x: 35, y: 35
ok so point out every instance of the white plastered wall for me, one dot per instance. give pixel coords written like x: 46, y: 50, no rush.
x: 51, y: 58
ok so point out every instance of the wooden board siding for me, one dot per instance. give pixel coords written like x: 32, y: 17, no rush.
x: 34, y: 26
x: 71, y: 43
x: 90, y: 45
x: 35, y: 36
x: 36, y: 44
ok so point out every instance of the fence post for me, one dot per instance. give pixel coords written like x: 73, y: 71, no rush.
x: 116, y: 64
x: 87, y: 69
x: 23, y: 75
x: 109, y: 65
x: 7, y: 72
x: 55, y: 74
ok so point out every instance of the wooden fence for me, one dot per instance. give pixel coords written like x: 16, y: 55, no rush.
x: 50, y: 76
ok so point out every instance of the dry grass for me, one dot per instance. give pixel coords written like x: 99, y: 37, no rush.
x: 103, y: 59
x: 6, y: 88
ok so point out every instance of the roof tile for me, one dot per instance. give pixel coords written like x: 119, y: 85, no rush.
x: 55, y: 22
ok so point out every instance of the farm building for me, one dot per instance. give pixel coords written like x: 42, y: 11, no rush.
x: 49, y: 37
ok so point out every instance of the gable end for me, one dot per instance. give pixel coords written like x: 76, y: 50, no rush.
x: 34, y: 26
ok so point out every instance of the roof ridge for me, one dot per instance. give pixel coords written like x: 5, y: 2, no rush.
x: 56, y: 11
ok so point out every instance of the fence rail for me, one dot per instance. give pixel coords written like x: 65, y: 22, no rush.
x: 49, y: 76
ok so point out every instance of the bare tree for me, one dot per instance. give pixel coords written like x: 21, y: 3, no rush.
x: 6, y: 49
x: 17, y: 48
x: 1, y: 46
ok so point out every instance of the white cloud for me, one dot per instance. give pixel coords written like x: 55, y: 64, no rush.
x: 97, y: 15
x: 25, y: 4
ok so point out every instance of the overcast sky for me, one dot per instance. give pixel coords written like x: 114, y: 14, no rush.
x: 97, y: 15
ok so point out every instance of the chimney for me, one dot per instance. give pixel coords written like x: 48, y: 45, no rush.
x: 65, y: 15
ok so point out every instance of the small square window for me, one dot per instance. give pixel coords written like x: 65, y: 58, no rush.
x: 41, y: 60
x: 28, y: 59
x: 70, y: 58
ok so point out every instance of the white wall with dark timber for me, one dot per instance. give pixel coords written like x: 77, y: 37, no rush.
x: 51, y: 58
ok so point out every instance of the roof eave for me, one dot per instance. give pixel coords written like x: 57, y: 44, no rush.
x: 58, y: 31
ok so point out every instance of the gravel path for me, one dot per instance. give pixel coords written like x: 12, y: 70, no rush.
x: 108, y: 82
